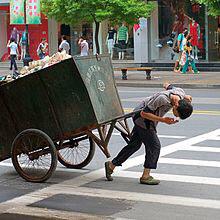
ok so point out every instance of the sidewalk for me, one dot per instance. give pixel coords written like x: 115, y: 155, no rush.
x: 189, y: 80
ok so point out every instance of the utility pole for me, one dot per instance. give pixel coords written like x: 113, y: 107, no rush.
x: 27, y: 57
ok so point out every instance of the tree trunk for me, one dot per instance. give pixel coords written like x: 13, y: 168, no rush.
x: 97, y: 25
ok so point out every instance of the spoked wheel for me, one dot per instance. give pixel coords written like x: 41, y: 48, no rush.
x: 76, y: 153
x: 34, y: 155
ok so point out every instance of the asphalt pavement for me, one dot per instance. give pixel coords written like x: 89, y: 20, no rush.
x: 188, y: 170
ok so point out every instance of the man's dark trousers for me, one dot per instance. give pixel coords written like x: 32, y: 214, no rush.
x: 152, y: 147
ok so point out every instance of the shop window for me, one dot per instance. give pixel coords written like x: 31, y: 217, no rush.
x: 173, y: 18
x: 123, y: 49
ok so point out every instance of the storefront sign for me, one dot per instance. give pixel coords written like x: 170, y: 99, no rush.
x: 16, y: 11
x: 33, y: 12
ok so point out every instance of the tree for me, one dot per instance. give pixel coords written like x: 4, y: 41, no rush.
x: 76, y: 11
x: 213, y: 6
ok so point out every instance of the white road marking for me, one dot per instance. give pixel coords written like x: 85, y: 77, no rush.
x: 203, y: 149
x: 171, y: 136
x: 160, y: 136
x: 202, y: 163
x: 173, y: 178
x: 214, y: 138
x: 145, y: 197
x: 73, y: 186
x: 136, y: 91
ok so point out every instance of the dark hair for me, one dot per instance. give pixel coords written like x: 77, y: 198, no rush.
x: 12, y: 40
x: 42, y: 39
x: 184, y: 109
x: 188, y: 37
x: 64, y: 37
x: 185, y: 33
x: 83, y: 37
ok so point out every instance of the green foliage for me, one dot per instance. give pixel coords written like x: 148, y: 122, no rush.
x: 75, y: 11
x: 213, y: 6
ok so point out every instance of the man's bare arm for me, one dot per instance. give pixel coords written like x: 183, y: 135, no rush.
x: 153, y: 117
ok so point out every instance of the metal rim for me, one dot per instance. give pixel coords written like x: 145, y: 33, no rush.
x: 76, y: 153
x: 34, y: 155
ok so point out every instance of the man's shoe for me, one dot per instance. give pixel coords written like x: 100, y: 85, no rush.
x: 108, y: 171
x: 149, y: 181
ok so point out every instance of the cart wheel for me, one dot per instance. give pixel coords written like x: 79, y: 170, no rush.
x: 76, y: 153
x: 34, y: 155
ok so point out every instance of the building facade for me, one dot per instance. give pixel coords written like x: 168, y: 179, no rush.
x: 148, y: 40
x: 47, y: 29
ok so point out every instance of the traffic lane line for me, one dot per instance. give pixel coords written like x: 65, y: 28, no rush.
x: 209, y: 101
x: 196, y: 112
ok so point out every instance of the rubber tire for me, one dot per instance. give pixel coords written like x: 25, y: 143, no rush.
x: 84, y: 163
x: 53, y: 156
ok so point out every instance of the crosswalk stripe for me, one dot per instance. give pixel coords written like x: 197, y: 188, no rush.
x: 203, y: 149
x: 203, y: 163
x: 172, y: 178
x: 214, y: 138
x: 144, y: 197
x: 161, y: 136
x: 73, y: 186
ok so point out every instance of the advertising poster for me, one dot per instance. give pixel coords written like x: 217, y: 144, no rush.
x: 33, y: 15
x: 16, y: 11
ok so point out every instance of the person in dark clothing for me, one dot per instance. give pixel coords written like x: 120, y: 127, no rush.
x: 152, y: 111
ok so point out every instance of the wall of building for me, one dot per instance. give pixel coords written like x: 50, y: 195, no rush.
x: 47, y: 29
x: 3, y: 35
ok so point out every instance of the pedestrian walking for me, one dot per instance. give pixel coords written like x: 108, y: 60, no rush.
x: 15, y: 35
x: 42, y: 48
x: 190, y: 62
x: 152, y: 111
x: 13, y: 53
x: 179, y: 48
x: 84, y: 46
x: 64, y: 46
x: 23, y: 44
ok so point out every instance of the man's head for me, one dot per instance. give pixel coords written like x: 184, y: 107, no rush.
x: 183, y: 109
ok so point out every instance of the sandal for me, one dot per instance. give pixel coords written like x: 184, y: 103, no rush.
x: 149, y: 181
